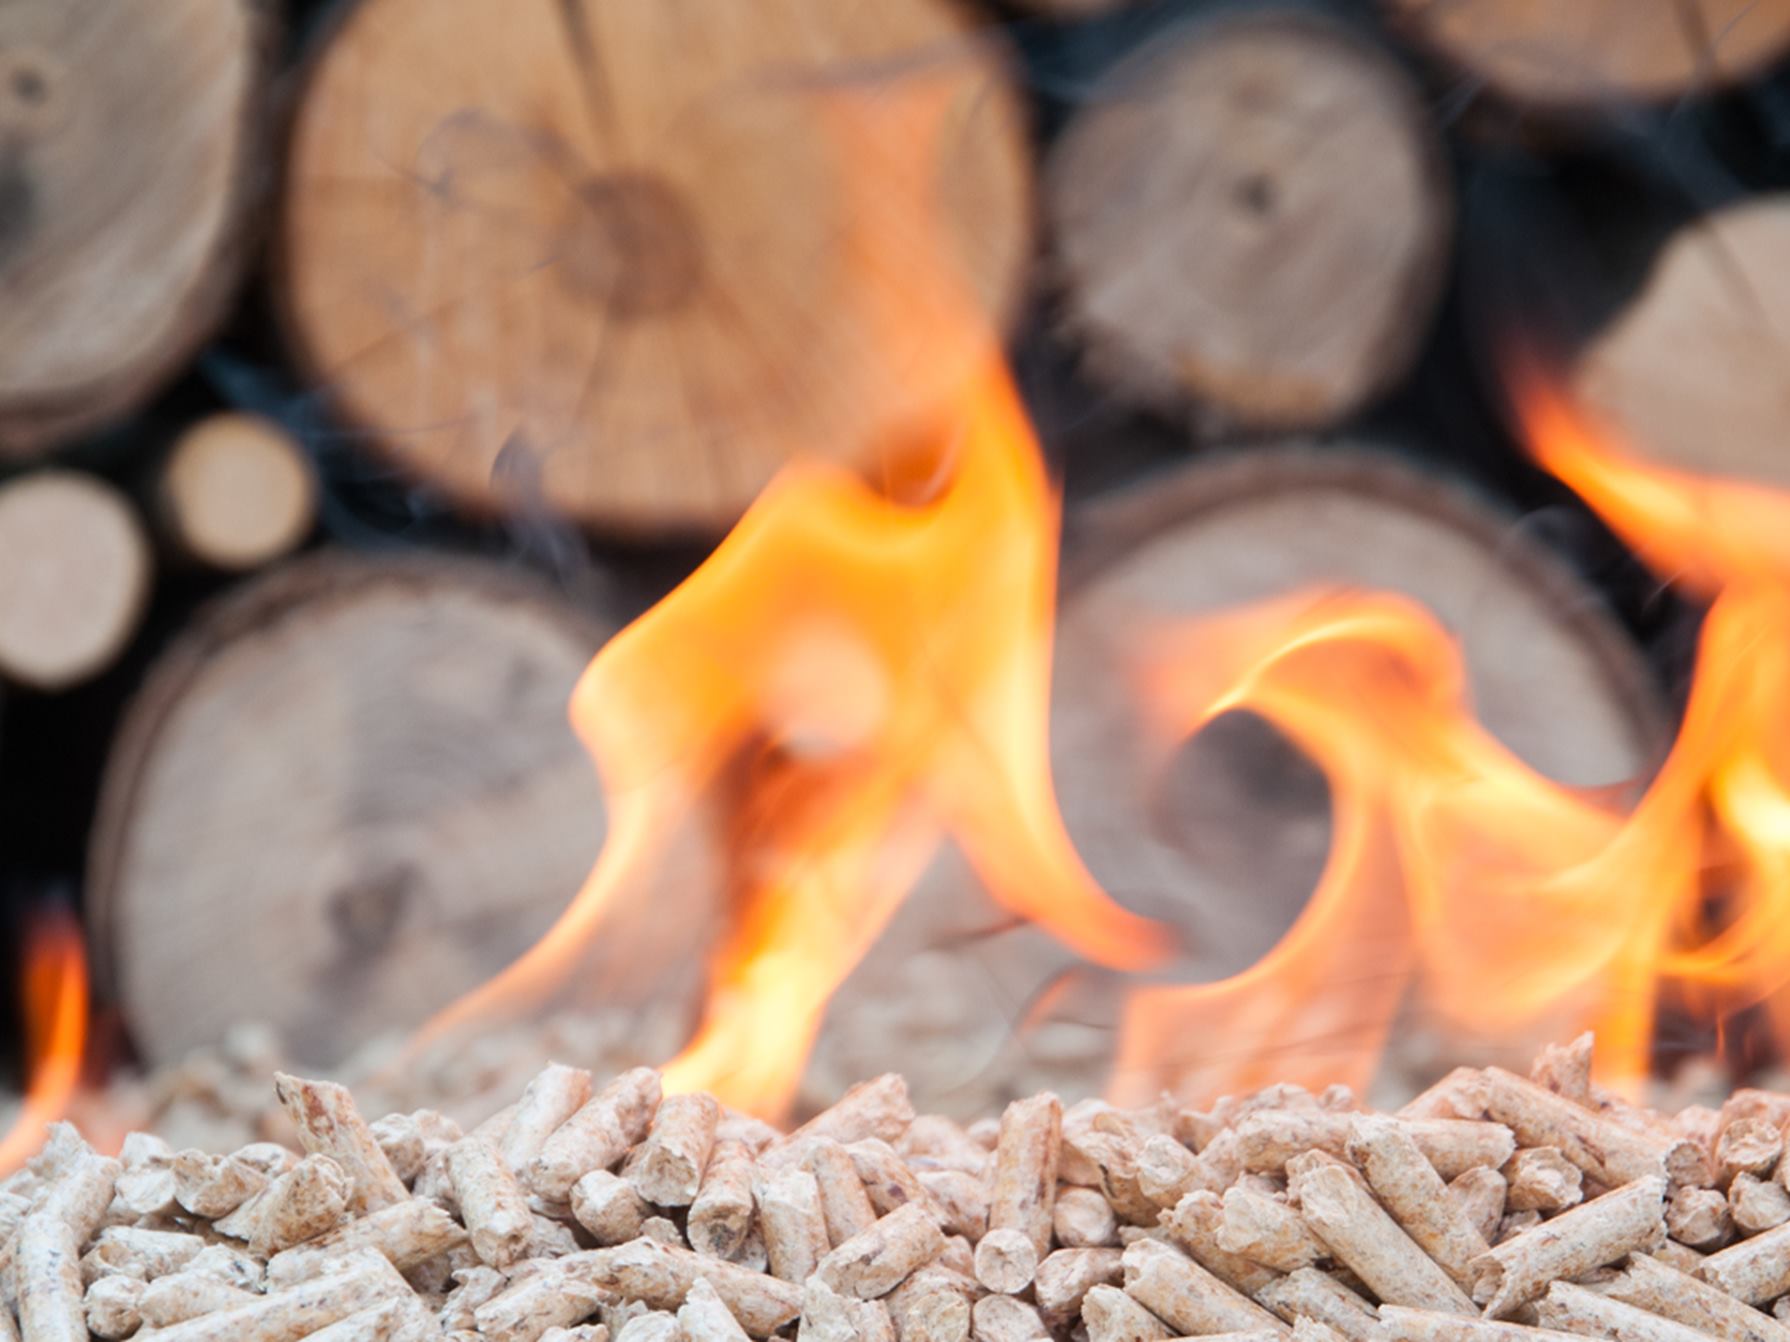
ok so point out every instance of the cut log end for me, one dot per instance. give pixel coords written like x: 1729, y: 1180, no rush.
x: 238, y: 491
x: 1691, y: 374
x: 75, y: 580
x: 126, y: 131
x: 692, y: 207
x: 1252, y: 215
x: 1590, y: 52
x: 351, y: 785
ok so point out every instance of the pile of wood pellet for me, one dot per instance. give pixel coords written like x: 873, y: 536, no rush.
x: 1492, y: 1208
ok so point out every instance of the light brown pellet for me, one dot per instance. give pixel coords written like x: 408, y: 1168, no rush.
x: 1064, y: 1279
x: 1540, y: 1179
x: 1755, y: 1270
x: 1653, y: 1285
x: 492, y: 1203
x: 1006, y: 1261
x: 844, y: 1204
x: 1027, y: 1153
x: 1267, y: 1231
x: 791, y: 1221
x: 1573, y: 1309
x: 112, y: 1307
x: 828, y: 1316
x: 1699, y: 1217
x: 1001, y: 1318
x: 1757, y: 1204
x: 666, y: 1169
x: 660, y: 1276
x: 880, y: 1257
x: 1311, y: 1294
x: 1111, y: 1315
x: 607, y: 1206
x: 1371, y: 1244
x: 1082, y: 1219
x: 597, y: 1136
x: 1194, y: 1225
x: 329, y: 1124
x: 1478, y: 1194
x: 406, y: 1235
x: 704, y: 1317
x: 1185, y: 1296
x: 1591, y: 1235
x: 1748, y: 1146
x: 552, y: 1097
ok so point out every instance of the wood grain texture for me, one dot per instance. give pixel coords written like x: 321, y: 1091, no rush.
x: 74, y: 580
x: 1576, y: 53
x: 1692, y: 374
x: 347, y: 795
x: 1251, y: 213
x: 622, y: 260
x: 128, y: 139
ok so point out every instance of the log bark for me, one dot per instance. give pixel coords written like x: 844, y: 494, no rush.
x: 75, y: 581
x: 1690, y: 374
x: 1226, y: 836
x: 345, y: 796
x: 620, y: 261
x: 1572, y: 56
x: 127, y: 135
x: 237, y: 492
x: 1251, y: 214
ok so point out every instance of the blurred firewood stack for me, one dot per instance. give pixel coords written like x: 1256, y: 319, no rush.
x: 563, y: 296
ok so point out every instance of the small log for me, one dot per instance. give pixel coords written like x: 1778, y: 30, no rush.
x: 76, y: 578
x: 1564, y: 56
x: 1697, y: 348
x: 1251, y: 213
x: 236, y: 492
x: 1070, y: 10
x: 352, y: 786
x: 126, y: 137
x: 598, y: 256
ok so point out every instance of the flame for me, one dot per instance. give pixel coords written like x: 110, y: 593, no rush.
x: 891, y: 662
x: 54, y: 999
x: 1504, y: 896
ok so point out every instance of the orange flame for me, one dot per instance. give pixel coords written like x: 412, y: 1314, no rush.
x: 1506, y: 897
x: 896, y: 658
x: 55, y: 1006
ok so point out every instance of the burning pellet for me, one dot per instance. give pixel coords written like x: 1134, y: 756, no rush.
x: 47, y: 1279
x: 704, y: 1318
x: 187, y: 1295
x: 1064, y: 1279
x: 661, y: 1276
x: 133, y: 1251
x: 1110, y: 1315
x: 790, y: 1218
x: 112, y: 1307
x: 1574, y: 1309
x: 329, y: 1124
x: 1455, y: 1145
x: 1652, y: 1285
x: 1478, y: 1194
x: 357, y: 1282
x: 1082, y: 1219
x: 607, y: 1206
x: 492, y: 1203
x: 1311, y: 1294
x: 960, y: 1198
x: 843, y: 1202
x: 1370, y: 1243
x: 1540, y: 1179
x: 654, y: 1326
x: 1699, y: 1217
x: 1754, y: 1270
x: 1411, y: 1189
x: 1023, y: 1191
x: 1267, y: 1231
x: 828, y: 1316
x: 1592, y: 1234
x: 666, y: 1169
x: 878, y: 1108
x: 406, y: 1234
x: 598, y: 1135
x: 879, y: 1258
x: 553, y: 1096
x: 721, y: 1216
x: 1748, y: 1146
x: 1610, y: 1152
x: 1006, y: 1261
x: 549, y: 1298
x: 1185, y: 1296
x: 1001, y: 1318
x: 1757, y: 1204
x: 1422, y: 1325
x: 1268, y: 1138
x: 887, y: 1179
x: 1194, y: 1226
x: 1167, y: 1171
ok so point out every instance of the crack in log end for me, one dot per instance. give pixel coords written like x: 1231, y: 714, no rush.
x: 18, y: 209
